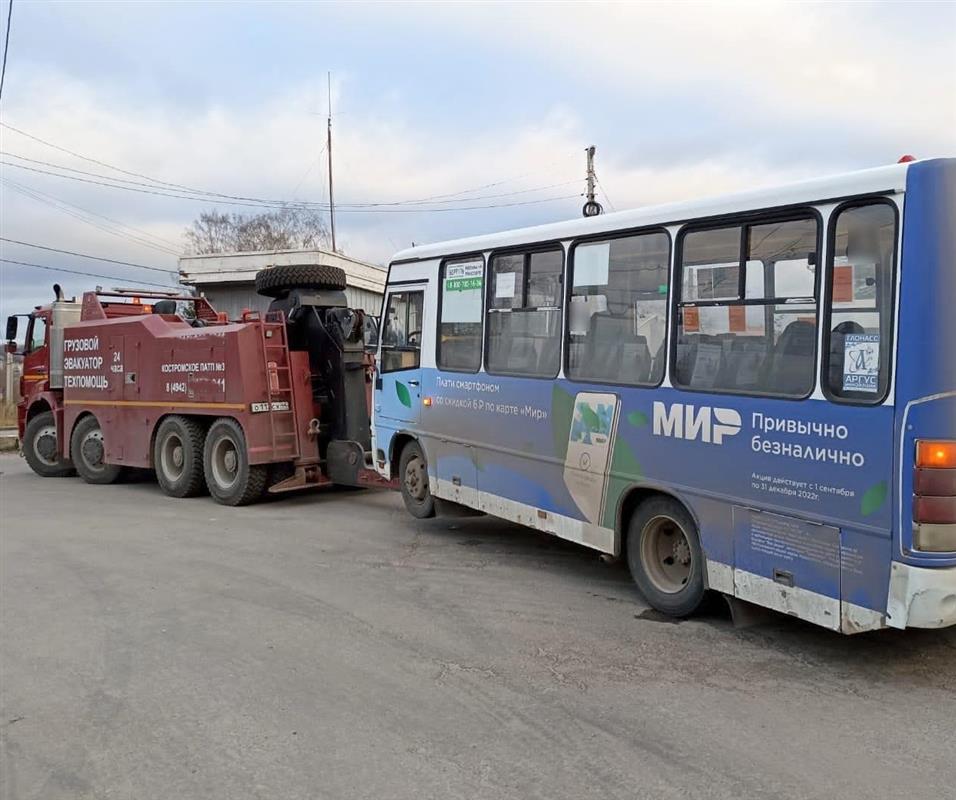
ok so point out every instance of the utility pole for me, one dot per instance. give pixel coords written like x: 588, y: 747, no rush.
x: 328, y: 145
x: 591, y: 206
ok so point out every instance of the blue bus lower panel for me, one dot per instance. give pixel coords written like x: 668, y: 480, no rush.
x: 795, y: 493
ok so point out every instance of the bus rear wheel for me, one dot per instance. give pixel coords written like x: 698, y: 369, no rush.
x: 178, y: 457
x: 42, y: 450
x: 230, y: 478
x: 413, y: 474
x: 665, y: 557
x: 88, y: 451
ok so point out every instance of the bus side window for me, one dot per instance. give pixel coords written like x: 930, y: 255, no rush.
x: 459, y: 334
x: 524, y: 313
x: 860, y: 304
x: 402, y: 335
x: 747, y: 309
x: 618, y: 310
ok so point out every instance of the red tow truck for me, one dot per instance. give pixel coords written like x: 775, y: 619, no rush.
x: 271, y: 402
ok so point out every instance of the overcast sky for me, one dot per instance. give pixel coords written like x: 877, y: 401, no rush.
x: 681, y: 101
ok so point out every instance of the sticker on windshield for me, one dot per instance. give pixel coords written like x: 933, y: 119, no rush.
x: 861, y: 362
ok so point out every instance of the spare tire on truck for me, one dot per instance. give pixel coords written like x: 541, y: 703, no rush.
x: 276, y: 281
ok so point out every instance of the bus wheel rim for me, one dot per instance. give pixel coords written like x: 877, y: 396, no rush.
x: 225, y: 462
x: 666, y: 554
x: 415, y: 481
x: 44, y: 445
x: 172, y: 456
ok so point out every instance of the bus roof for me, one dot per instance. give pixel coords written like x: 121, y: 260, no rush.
x: 887, y: 179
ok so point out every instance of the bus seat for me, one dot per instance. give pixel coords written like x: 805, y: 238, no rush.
x: 635, y: 360
x: 743, y: 361
x: 838, y: 351
x: 550, y: 356
x: 523, y: 355
x: 791, y: 367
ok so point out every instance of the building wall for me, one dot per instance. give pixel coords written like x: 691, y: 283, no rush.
x: 234, y: 298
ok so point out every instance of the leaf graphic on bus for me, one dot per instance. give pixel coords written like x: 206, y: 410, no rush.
x: 625, y: 469
x: 403, y: 394
x: 637, y: 418
x: 589, y: 417
x: 873, y: 498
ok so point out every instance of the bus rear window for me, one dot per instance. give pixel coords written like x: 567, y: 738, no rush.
x: 860, y: 303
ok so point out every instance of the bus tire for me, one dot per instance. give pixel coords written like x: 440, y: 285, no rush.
x: 413, y: 475
x: 41, y: 448
x: 178, y: 456
x: 88, y: 451
x: 230, y: 478
x: 665, y: 556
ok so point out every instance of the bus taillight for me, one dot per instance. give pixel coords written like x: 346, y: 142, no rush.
x: 936, y: 455
x: 934, y: 496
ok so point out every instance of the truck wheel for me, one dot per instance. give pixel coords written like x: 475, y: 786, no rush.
x: 177, y: 457
x: 41, y: 449
x: 230, y: 478
x: 665, y: 557
x: 413, y: 474
x: 276, y: 281
x: 88, y: 451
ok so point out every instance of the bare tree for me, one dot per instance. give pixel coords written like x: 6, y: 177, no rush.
x: 287, y: 228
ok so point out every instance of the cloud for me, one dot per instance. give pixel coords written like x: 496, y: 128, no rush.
x: 681, y: 103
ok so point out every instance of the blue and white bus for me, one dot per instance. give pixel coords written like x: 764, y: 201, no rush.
x: 753, y: 395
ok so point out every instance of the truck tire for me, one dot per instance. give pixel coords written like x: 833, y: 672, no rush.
x: 88, y: 451
x: 41, y: 449
x: 230, y: 478
x: 178, y: 457
x: 276, y: 281
x: 665, y: 556
x: 413, y: 476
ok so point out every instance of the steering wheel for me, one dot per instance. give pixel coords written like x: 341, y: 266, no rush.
x: 415, y: 337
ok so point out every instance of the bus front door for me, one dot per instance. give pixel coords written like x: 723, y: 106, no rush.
x: 399, y: 396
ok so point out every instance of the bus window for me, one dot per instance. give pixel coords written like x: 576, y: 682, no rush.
x: 524, y: 313
x: 459, y: 339
x: 402, y: 336
x: 617, y: 316
x: 860, y: 304
x: 755, y: 333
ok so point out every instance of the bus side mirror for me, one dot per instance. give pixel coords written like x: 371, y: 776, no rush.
x: 12, y: 325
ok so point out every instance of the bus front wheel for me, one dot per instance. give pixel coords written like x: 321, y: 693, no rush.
x: 413, y: 474
x: 665, y: 557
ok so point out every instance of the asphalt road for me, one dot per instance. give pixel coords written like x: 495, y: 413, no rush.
x: 330, y: 646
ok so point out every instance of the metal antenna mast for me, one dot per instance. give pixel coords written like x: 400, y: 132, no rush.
x: 591, y: 206
x: 328, y: 145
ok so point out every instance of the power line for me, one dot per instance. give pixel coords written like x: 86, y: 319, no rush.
x: 604, y: 192
x: 82, y: 272
x: 6, y: 47
x: 220, y: 197
x: 192, y: 190
x: 115, y: 228
x: 267, y: 204
x: 86, y: 255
